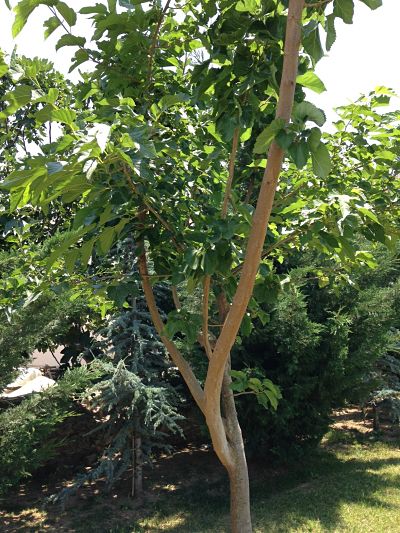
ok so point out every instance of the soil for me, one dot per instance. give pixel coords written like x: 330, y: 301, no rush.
x: 27, y: 509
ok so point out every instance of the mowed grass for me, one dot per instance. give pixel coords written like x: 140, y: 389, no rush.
x: 354, y: 488
x: 349, y: 487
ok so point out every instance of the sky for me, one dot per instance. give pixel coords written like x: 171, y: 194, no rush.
x: 365, y: 55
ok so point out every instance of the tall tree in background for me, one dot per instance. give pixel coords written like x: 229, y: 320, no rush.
x: 181, y: 102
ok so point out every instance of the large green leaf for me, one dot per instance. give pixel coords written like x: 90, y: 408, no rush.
x: 312, y: 45
x: 24, y: 9
x: 344, y: 9
x: 330, y: 31
x: 70, y: 40
x: 51, y: 25
x: 267, y: 136
x: 311, y: 81
x: 18, y: 98
x: 299, y: 152
x: 67, y: 13
x: 373, y: 4
x: 250, y: 6
x: 306, y: 111
x: 321, y: 161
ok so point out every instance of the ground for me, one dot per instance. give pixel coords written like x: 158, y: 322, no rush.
x: 351, y: 484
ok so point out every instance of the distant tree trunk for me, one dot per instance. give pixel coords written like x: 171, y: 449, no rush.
x: 138, y: 466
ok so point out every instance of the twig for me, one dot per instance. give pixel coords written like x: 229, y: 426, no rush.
x: 231, y: 167
x: 266, y: 252
x: 154, y: 43
x: 318, y: 4
x: 151, y: 209
x: 206, y: 295
x: 175, y: 297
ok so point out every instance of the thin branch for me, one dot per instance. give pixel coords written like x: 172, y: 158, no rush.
x: 231, y: 167
x: 206, y: 296
x: 178, y: 359
x: 318, y: 4
x: 175, y: 297
x: 154, y: 43
x: 270, y: 248
x: 151, y: 209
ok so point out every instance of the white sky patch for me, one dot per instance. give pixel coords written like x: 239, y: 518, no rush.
x: 365, y: 54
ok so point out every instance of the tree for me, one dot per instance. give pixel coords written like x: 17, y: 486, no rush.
x: 179, y: 124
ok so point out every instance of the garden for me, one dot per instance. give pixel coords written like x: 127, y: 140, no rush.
x: 211, y: 267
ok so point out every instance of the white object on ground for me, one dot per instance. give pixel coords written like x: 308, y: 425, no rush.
x: 25, y: 375
x: 38, y: 384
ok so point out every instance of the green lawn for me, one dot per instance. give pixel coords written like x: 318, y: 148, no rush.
x: 353, y: 487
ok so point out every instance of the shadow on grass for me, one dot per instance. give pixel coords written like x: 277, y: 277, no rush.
x: 189, y: 493
x: 313, y: 491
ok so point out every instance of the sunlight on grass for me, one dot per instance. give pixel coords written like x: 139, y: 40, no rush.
x: 164, y: 524
x: 361, y: 494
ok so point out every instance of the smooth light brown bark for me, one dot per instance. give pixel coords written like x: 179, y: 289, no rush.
x: 261, y: 216
x: 223, y: 425
x: 183, y: 366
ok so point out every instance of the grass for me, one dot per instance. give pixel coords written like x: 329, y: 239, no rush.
x: 346, y: 487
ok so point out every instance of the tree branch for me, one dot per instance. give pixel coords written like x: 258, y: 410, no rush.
x: 206, y: 295
x: 231, y: 167
x: 151, y: 209
x: 261, y: 216
x: 175, y: 297
x: 183, y: 366
x: 154, y: 43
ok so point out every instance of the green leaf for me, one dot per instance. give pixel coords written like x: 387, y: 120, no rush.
x: 17, y: 98
x: 314, y: 139
x: 311, y: 81
x: 368, y: 213
x: 22, y: 11
x: 3, y: 68
x: 307, y: 111
x: 321, y: 161
x: 97, y: 8
x: 70, y: 40
x: 86, y: 251
x: 312, y: 45
x: 51, y: 25
x: 65, y: 116
x: 330, y: 31
x: 67, y: 13
x: 267, y: 136
x: 299, y: 152
x: 344, y: 9
x: 250, y: 6
x: 106, y: 239
x: 246, y: 325
x: 285, y: 139
x: 373, y: 4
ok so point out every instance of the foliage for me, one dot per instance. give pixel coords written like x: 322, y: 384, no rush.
x: 55, y: 317
x: 26, y: 430
x: 186, y: 98
x: 133, y: 398
x: 321, y: 345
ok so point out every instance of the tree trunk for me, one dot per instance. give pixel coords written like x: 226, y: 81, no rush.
x: 138, y: 467
x: 238, y: 472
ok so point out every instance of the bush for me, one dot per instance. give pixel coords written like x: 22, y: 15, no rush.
x: 321, y: 347
x: 26, y: 430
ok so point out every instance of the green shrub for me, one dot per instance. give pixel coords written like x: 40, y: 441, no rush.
x: 26, y: 430
x: 321, y: 347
